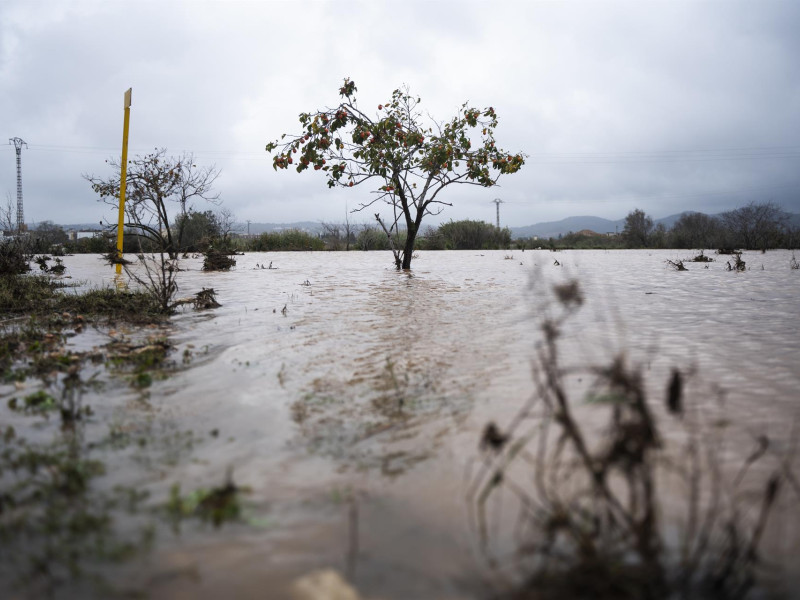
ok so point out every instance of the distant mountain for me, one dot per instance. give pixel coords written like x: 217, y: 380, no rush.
x: 574, y: 224
x: 667, y: 222
x: 564, y: 226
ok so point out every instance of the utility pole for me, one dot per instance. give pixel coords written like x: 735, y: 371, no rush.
x: 498, y: 202
x: 248, y: 227
x: 18, y: 143
x: 123, y: 176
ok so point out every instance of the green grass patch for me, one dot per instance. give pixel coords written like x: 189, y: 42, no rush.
x: 40, y: 295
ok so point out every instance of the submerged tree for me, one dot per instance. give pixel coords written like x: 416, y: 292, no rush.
x: 637, y: 229
x: 695, y: 230
x: 756, y: 225
x: 409, y: 159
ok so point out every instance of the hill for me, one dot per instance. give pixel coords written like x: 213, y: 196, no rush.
x: 564, y: 226
x: 543, y: 230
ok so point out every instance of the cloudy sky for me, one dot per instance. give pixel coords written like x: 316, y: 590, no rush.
x: 660, y: 105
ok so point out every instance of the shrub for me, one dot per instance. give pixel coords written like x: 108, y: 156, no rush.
x: 372, y: 238
x: 217, y: 260
x: 291, y: 240
x: 474, y: 235
x: 13, y: 257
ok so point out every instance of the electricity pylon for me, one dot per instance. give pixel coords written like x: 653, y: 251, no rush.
x: 18, y: 143
x: 498, y: 202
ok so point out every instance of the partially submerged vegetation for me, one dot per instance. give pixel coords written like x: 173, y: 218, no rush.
x: 291, y: 240
x: 61, y: 523
x: 218, y: 260
x: 14, y: 259
x: 677, y: 265
x: 217, y: 505
x: 40, y: 295
x: 592, y: 522
x: 737, y: 264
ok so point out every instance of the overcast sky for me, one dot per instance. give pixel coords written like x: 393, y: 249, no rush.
x: 665, y: 106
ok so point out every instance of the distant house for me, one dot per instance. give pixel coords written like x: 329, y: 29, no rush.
x: 74, y: 234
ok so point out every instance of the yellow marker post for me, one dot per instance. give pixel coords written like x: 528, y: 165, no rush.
x: 122, y: 177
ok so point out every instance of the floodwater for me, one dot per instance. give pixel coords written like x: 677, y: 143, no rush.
x: 349, y: 399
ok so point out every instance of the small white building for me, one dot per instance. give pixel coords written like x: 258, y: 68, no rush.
x: 74, y: 234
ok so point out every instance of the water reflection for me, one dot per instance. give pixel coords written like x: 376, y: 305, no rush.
x: 77, y: 428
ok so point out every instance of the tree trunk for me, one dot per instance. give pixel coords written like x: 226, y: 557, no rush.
x: 408, y: 249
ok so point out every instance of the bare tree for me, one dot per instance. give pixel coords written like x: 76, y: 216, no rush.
x: 756, y: 226
x: 154, y: 180
x: 331, y: 235
x: 337, y: 234
x: 45, y: 235
x: 226, y: 221
x: 8, y: 215
x: 349, y: 231
x: 695, y: 230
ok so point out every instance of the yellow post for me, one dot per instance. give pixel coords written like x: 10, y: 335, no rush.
x: 123, y: 176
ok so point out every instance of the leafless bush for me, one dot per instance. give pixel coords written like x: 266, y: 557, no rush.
x: 113, y: 257
x: 738, y: 264
x: 702, y: 258
x: 205, y: 299
x: 158, y: 277
x: 677, y: 265
x: 591, y: 507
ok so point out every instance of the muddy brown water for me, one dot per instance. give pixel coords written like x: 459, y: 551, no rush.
x: 350, y: 399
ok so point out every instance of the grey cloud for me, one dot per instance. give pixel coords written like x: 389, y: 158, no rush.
x: 619, y: 104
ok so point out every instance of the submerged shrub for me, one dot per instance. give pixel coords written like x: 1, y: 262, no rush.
x: 13, y: 258
x: 217, y: 260
x: 592, y: 522
x: 738, y: 264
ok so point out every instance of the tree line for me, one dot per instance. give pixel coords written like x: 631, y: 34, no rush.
x: 755, y: 226
x: 453, y: 235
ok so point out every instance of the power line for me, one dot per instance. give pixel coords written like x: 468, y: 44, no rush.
x: 554, y: 158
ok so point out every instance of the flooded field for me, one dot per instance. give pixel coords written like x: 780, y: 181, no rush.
x: 346, y: 402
